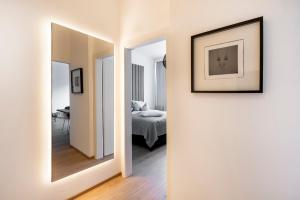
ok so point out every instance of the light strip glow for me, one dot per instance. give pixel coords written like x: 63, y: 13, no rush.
x: 86, y: 32
x: 45, y: 107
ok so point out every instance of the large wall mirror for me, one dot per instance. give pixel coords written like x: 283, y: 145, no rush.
x: 82, y: 101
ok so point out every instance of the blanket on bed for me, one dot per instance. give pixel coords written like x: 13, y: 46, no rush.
x: 149, y: 127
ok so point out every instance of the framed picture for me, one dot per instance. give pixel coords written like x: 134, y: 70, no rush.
x: 228, y: 59
x: 77, y: 81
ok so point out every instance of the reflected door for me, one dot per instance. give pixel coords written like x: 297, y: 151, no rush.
x: 108, y: 105
x: 104, y: 106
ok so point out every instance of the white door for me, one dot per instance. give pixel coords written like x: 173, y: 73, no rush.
x: 108, y: 104
x: 99, y: 117
x: 104, y: 106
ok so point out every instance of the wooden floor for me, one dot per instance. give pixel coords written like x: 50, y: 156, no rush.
x: 147, y: 183
x: 66, y: 160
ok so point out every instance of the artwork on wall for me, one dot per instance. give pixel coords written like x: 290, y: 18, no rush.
x: 77, y: 81
x: 228, y: 59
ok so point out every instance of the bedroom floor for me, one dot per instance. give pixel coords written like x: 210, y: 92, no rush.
x: 148, y: 180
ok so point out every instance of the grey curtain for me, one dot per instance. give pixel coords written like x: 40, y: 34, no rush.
x: 161, y: 90
x: 137, y: 82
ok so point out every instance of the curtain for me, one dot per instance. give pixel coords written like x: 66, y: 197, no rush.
x: 160, y: 74
x: 137, y: 82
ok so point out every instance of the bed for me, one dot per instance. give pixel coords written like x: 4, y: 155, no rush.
x: 149, y: 127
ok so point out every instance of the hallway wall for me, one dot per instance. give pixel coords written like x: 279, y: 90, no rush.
x: 220, y: 146
x: 235, y: 146
x: 228, y: 146
x: 26, y: 94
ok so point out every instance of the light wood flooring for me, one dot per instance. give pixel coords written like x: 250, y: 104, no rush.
x: 147, y: 183
x: 66, y: 160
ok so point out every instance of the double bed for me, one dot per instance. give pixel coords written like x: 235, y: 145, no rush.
x: 149, y: 127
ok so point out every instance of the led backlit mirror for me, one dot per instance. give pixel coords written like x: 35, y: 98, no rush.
x: 82, y: 101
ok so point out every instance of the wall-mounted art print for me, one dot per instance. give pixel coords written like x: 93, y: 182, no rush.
x: 228, y: 59
x: 77, y: 81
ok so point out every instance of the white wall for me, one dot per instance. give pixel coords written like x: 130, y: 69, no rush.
x: 143, y: 18
x: 220, y: 146
x: 235, y: 146
x: 229, y: 146
x: 60, y: 86
x: 149, y: 76
x: 25, y: 61
x: 81, y: 133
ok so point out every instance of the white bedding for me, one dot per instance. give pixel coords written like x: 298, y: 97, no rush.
x: 149, y: 126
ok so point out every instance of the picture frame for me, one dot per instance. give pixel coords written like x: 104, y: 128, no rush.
x: 228, y: 59
x: 77, y: 81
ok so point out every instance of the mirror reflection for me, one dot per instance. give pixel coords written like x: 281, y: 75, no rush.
x: 82, y: 101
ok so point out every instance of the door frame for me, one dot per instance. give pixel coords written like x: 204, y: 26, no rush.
x: 99, y: 141
x: 127, y: 142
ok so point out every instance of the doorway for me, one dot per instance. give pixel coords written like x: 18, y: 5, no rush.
x: 146, y: 114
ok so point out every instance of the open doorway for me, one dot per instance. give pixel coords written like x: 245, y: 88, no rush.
x: 147, y: 116
x: 60, y: 104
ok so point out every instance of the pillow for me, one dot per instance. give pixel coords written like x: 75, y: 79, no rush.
x: 144, y: 107
x: 152, y: 113
x: 137, y: 105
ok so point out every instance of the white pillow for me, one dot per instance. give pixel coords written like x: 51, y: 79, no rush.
x: 152, y: 113
x: 137, y: 105
x: 145, y: 107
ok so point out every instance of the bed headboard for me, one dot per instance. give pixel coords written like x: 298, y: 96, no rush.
x: 137, y: 82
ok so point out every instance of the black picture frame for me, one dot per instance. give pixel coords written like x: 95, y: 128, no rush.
x: 77, y: 89
x: 218, y: 30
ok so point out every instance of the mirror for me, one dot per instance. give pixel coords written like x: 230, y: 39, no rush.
x: 82, y: 81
